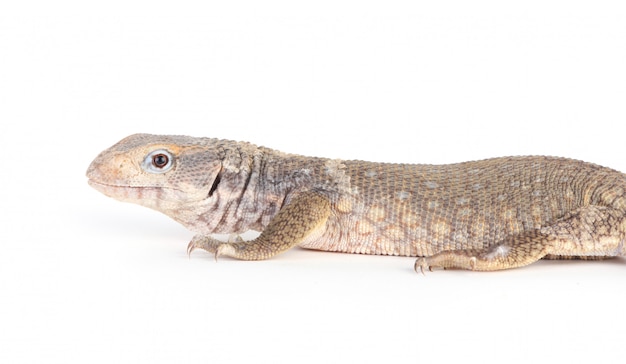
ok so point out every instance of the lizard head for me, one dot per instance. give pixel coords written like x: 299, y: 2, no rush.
x: 171, y: 174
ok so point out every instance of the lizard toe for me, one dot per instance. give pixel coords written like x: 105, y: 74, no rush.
x: 203, y: 242
x: 421, y: 264
x: 235, y: 238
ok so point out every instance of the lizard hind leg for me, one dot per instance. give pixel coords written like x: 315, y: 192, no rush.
x: 588, y: 231
x: 515, y: 251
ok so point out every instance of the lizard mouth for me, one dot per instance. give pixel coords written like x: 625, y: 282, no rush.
x: 138, y: 194
x: 127, y: 193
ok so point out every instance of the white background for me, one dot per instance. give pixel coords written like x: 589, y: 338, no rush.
x: 84, y: 278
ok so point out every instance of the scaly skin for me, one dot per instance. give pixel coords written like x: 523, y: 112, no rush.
x: 484, y: 215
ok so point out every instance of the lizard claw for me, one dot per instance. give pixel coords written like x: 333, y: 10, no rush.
x: 190, y: 248
x: 217, y: 254
x: 211, y: 245
x: 205, y: 243
x: 420, y: 264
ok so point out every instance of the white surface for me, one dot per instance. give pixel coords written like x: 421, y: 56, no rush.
x: 84, y: 278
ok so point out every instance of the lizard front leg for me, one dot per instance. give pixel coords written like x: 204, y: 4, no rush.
x: 303, y: 216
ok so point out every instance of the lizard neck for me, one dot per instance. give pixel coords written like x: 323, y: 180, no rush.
x: 253, y: 185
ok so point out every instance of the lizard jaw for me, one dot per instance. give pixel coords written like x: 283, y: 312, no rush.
x: 127, y: 193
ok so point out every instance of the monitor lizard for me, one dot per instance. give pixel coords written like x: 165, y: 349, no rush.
x: 481, y: 215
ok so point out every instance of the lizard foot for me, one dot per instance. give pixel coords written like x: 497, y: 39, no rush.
x: 445, y: 260
x: 206, y: 243
x: 214, y: 246
x: 514, y: 251
x: 421, y: 264
x: 235, y: 238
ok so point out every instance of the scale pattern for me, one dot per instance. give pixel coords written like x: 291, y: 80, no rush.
x: 483, y: 215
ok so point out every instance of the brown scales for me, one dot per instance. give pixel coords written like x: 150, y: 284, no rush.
x: 483, y: 215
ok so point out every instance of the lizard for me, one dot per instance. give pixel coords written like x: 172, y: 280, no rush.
x: 484, y: 215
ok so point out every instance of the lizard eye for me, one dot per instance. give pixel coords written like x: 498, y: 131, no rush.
x: 158, y: 161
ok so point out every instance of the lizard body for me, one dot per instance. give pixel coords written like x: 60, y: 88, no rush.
x: 482, y: 215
